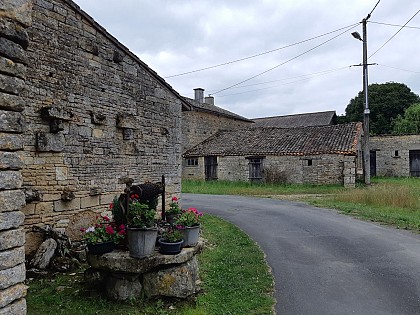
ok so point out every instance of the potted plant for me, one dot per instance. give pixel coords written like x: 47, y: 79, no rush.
x: 171, y: 241
x: 188, y: 223
x: 173, y: 212
x: 103, y: 236
x: 141, y: 228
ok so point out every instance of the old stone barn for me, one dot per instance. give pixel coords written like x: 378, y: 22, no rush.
x: 311, y: 155
x: 78, y: 113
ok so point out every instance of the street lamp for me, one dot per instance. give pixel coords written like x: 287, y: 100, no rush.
x: 366, y: 112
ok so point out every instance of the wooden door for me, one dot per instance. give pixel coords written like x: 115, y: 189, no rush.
x: 210, y: 167
x: 414, y: 163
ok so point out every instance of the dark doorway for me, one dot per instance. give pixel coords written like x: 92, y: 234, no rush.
x: 372, y: 163
x: 414, y: 163
x: 255, y: 169
x: 210, y: 167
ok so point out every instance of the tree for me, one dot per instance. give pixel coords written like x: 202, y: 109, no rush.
x: 409, y: 123
x: 386, y: 102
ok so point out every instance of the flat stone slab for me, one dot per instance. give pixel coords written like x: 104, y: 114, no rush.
x: 121, y: 262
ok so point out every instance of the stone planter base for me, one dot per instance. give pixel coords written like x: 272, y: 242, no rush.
x: 124, y: 277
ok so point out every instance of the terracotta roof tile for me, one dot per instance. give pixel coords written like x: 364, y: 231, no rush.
x: 336, y: 139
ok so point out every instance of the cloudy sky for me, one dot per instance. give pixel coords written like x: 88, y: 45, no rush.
x: 280, y: 57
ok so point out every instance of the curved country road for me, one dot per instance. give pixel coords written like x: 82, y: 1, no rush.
x: 324, y: 262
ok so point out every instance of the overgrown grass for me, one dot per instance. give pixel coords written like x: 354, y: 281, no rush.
x: 255, y: 189
x: 235, y: 281
x: 388, y: 200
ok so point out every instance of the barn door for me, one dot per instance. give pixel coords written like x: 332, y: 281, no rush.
x: 210, y: 167
x: 372, y: 163
x: 414, y: 163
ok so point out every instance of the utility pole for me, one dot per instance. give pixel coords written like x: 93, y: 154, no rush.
x: 366, y: 112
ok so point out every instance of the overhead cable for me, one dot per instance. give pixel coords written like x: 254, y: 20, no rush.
x: 259, y: 54
x: 388, y: 24
x: 287, y: 61
x: 394, y: 34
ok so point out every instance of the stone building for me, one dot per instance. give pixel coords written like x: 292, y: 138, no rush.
x: 15, y: 18
x: 205, y: 119
x: 298, y: 120
x: 310, y: 155
x: 395, y: 155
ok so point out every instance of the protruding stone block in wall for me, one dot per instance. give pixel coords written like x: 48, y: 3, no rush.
x: 97, y: 118
x: 17, y: 10
x: 11, y: 294
x: 55, y: 112
x: 14, y: 31
x: 127, y: 121
x: 12, y: 238
x: 49, y: 142
x: 11, y: 122
x: 12, y: 276
x: 10, y: 180
x: 118, y: 57
x: 12, y: 51
x: 11, y: 200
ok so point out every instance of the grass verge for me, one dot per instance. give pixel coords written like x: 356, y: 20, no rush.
x: 236, y: 280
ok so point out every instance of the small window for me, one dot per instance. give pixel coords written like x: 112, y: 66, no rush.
x: 192, y: 162
x: 309, y: 162
x: 396, y: 153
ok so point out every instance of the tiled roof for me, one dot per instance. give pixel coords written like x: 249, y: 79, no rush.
x: 335, y: 139
x: 299, y: 120
x: 204, y: 107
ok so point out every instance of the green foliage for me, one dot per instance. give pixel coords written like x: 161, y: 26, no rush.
x: 190, y: 217
x: 174, y: 207
x: 409, y: 123
x: 104, y: 231
x: 386, y: 102
x: 140, y: 215
x: 172, y: 235
x: 220, y: 187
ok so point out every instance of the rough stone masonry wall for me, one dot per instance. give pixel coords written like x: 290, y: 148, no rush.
x: 387, y: 162
x: 97, y: 114
x: 325, y: 168
x: 198, y: 126
x: 15, y: 17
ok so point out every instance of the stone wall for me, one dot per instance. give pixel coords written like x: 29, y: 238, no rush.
x: 392, y: 154
x: 97, y: 114
x: 317, y: 169
x: 15, y: 17
x: 197, y: 126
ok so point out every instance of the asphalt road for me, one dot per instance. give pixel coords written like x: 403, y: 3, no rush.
x: 324, y: 262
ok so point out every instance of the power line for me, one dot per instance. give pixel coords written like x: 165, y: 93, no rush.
x: 305, y: 76
x: 398, y: 68
x: 388, y: 24
x: 277, y: 85
x: 259, y: 54
x: 287, y: 61
x: 374, y: 8
x: 394, y: 34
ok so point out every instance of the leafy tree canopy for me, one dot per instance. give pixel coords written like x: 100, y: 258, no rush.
x: 409, y: 123
x: 386, y: 102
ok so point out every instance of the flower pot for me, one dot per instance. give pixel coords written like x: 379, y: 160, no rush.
x: 101, y: 248
x: 190, y: 235
x: 141, y: 242
x: 168, y: 248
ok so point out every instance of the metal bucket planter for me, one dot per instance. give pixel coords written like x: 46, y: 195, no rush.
x: 141, y: 242
x: 171, y: 218
x: 190, y: 235
x: 170, y: 248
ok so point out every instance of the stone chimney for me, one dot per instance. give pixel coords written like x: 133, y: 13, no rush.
x: 199, y: 95
x: 209, y: 100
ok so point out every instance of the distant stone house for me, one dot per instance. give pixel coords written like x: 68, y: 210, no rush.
x: 94, y: 114
x: 205, y: 119
x: 298, y: 120
x: 395, y: 155
x: 310, y: 155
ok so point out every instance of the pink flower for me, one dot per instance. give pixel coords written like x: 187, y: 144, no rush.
x: 111, y: 206
x: 109, y: 230
x: 174, y: 199
x: 105, y: 218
